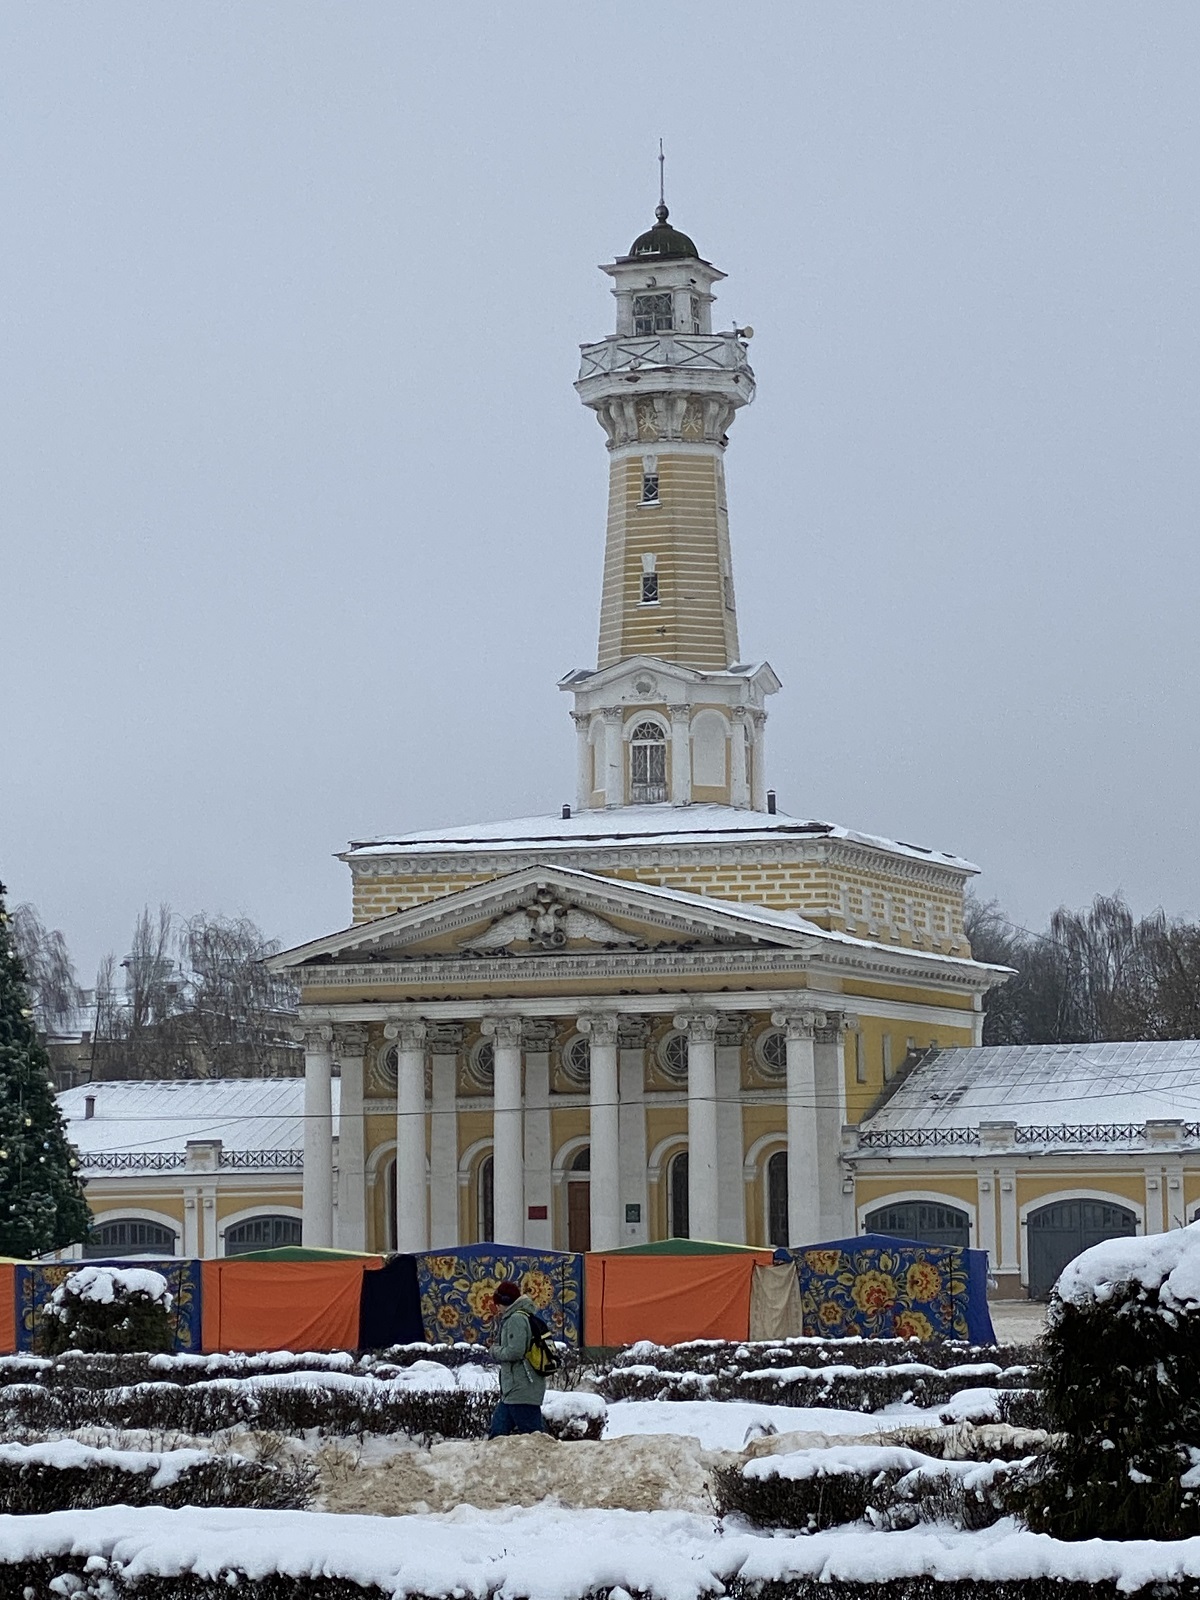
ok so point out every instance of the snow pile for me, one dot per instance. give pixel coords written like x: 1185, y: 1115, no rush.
x: 166, y: 1466
x: 1165, y: 1264
x: 106, y: 1285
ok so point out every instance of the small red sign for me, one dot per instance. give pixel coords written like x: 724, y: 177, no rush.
x: 538, y: 1213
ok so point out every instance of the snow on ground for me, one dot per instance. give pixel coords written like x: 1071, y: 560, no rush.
x: 727, y: 1424
x: 550, y: 1553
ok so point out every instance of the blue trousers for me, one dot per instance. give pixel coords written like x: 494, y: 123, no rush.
x: 516, y: 1419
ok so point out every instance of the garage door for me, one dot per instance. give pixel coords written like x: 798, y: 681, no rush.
x: 1057, y: 1233
x: 923, y: 1221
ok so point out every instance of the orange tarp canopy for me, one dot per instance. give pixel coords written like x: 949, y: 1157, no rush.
x: 282, y: 1305
x: 8, y: 1309
x: 668, y: 1298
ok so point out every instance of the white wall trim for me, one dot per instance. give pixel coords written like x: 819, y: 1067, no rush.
x: 246, y: 1214
x: 762, y: 1148
x: 142, y: 1214
x: 662, y: 1153
x: 935, y: 1197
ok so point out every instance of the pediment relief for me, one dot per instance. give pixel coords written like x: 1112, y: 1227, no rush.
x: 547, y: 921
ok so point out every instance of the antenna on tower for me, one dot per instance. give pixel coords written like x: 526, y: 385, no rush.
x: 662, y: 162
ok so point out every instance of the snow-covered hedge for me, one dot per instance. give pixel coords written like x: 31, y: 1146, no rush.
x: 107, y: 1308
x: 62, y: 1474
x: 847, y: 1388
x: 724, y: 1357
x: 1121, y: 1389
x: 884, y: 1485
x: 424, y: 1401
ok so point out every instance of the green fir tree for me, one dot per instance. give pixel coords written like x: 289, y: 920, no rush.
x: 42, y: 1206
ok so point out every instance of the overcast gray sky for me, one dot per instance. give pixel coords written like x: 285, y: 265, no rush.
x: 301, y: 519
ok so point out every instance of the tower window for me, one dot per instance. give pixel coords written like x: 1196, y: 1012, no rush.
x: 649, y: 588
x: 647, y: 764
x: 649, y: 488
x: 695, y: 313
x: 652, y: 314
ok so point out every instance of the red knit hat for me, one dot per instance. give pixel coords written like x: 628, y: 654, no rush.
x: 506, y: 1292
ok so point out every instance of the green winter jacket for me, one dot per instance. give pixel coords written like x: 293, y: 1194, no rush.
x: 520, y: 1385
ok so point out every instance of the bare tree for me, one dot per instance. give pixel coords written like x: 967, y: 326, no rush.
x: 49, y: 971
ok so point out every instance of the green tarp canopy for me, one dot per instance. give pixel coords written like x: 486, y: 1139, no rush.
x: 684, y: 1247
x: 297, y: 1252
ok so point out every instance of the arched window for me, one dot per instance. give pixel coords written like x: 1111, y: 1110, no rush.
x: 1063, y: 1229
x: 647, y: 764
x: 923, y: 1222
x: 677, y: 1176
x: 261, y: 1233
x: 777, y: 1199
x: 485, y: 1201
x: 129, y: 1236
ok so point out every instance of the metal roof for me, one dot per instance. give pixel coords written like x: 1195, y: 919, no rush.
x: 251, y: 1114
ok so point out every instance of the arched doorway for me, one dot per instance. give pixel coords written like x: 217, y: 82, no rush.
x: 922, y: 1220
x: 485, y: 1202
x: 579, y: 1201
x: 129, y: 1236
x: 1057, y: 1233
x: 777, y: 1200
x: 677, y: 1196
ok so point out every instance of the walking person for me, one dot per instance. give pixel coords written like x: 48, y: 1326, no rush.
x: 521, y: 1388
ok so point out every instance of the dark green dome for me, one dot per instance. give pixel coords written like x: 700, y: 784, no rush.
x: 662, y: 240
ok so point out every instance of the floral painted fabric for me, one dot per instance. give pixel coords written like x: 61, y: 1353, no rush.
x: 35, y: 1285
x: 884, y: 1290
x: 456, y: 1290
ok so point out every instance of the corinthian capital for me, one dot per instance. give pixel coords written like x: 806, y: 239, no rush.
x: 349, y: 1040
x: 700, y: 1026
x: 600, y: 1029
x: 503, y: 1030
x: 408, y: 1032
x: 799, y: 1024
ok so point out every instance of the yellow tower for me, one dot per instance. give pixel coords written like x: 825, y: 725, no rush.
x: 670, y: 714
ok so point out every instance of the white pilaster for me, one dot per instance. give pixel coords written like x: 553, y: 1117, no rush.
x: 350, y: 1044
x: 318, y: 1137
x: 412, y: 1226
x: 731, y: 1189
x: 681, y: 755
x: 836, y: 1206
x: 701, y: 1030
x: 614, y: 757
x: 801, y: 1105
x: 601, y: 1032
x: 539, y: 1231
x: 583, y: 760
x: 443, y: 1155
x: 631, y: 1122
x: 507, y: 1132
x: 758, y: 762
x: 739, y: 773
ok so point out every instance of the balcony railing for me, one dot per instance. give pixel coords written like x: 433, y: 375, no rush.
x: 176, y: 1160
x: 703, y: 352
x: 647, y: 794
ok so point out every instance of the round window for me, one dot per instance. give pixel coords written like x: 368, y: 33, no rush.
x: 388, y: 1064
x: 771, y: 1050
x: 577, y: 1060
x: 481, y: 1063
x: 673, y: 1056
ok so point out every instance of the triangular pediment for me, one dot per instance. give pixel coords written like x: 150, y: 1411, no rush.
x: 551, y: 912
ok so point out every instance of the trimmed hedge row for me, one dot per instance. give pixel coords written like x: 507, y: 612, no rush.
x: 713, y: 1357
x: 869, y: 1389
x: 963, y: 1494
x: 213, y: 1407
x: 90, y: 1369
x: 31, y: 1486
x: 924, y: 1587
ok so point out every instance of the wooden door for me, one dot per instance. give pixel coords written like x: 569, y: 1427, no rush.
x: 579, y: 1216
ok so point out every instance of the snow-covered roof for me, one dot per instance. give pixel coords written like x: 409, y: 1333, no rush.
x: 155, y: 1117
x: 1076, y: 1094
x: 618, y: 825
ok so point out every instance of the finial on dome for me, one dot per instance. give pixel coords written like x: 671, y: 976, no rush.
x: 661, y: 209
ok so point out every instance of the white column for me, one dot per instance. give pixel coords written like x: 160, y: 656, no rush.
x: 443, y: 1154
x: 351, y: 1046
x: 758, y: 762
x: 507, y: 1131
x: 583, y: 759
x: 601, y: 1032
x: 412, y: 1226
x: 731, y: 1143
x: 701, y: 1030
x: 837, y: 1215
x: 804, y: 1214
x: 539, y: 1231
x: 681, y: 755
x: 318, y: 1137
x: 739, y: 777
x: 614, y: 756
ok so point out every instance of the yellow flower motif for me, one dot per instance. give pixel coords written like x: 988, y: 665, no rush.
x: 479, y: 1297
x: 828, y: 1314
x: 923, y: 1281
x: 442, y: 1266
x: 874, y: 1291
x: 447, y: 1317
x: 913, y: 1325
x: 538, y: 1287
x: 823, y: 1260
